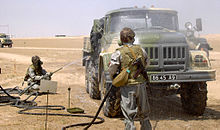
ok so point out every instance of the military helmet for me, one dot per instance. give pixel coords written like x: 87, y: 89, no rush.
x: 127, y: 35
x: 36, y: 60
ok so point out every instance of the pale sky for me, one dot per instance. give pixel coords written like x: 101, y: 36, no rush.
x: 46, y: 18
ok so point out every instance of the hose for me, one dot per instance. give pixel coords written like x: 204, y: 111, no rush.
x: 100, y: 107
x: 7, y: 93
x: 16, y: 102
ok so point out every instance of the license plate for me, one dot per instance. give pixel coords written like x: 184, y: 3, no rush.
x: 158, y: 77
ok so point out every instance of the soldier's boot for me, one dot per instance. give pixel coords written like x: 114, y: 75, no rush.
x: 145, y: 124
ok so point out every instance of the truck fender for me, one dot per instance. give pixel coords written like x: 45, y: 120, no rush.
x: 194, y: 53
x: 104, y: 61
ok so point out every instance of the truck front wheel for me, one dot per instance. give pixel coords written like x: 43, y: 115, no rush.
x: 194, y: 97
x: 111, y: 107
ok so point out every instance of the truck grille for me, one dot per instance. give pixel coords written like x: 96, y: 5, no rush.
x: 166, y: 57
x: 153, y: 54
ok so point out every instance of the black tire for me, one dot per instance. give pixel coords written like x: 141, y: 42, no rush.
x: 111, y: 107
x: 10, y: 45
x: 86, y: 76
x: 194, y: 97
x: 93, y: 84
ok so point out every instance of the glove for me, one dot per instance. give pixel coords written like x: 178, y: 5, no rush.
x: 50, y: 74
x: 47, y: 76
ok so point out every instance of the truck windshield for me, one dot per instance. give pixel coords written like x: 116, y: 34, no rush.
x: 143, y: 20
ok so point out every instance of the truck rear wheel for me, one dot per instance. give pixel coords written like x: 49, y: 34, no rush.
x: 10, y: 46
x: 111, y: 107
x: 87, y: 76
x: 93, y: 83
x: 194, y: 97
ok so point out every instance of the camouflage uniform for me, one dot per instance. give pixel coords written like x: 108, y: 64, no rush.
x: 35, y: 73
x: 134, y: 100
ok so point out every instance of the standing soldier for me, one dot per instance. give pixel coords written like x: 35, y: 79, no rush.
x: 34, y: 74
x: 134, y: 100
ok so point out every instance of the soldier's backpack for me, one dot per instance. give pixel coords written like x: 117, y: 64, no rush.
x: 122, y: 78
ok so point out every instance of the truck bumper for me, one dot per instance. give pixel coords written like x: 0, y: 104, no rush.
x: 187, y: 76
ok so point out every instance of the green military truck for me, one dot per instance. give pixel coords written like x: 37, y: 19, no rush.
x: 5, y: 41
x: 175, y: 67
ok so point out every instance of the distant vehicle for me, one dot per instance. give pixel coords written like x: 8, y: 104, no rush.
x: 60, y: 35
x: 5, y: 40
x: 175, y: 67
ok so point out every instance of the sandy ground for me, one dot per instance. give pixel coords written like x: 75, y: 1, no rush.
x: 55, y: 52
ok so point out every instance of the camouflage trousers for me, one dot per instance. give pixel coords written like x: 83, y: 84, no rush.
x: 135, y: 105
x: 34, y: 87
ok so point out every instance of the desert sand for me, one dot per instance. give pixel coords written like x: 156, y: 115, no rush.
x: 166, y: 112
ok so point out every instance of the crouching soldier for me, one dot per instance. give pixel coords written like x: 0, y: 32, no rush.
x: 134, y: 100
x: 34, y: 74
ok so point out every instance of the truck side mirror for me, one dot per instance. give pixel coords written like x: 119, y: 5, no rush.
x: 198, y: 24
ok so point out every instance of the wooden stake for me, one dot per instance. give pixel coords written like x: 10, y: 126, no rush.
x: 15, y: 66
x: 47, y: 110
x: 69, y: 97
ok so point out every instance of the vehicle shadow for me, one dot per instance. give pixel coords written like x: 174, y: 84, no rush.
x: 169, y: 108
